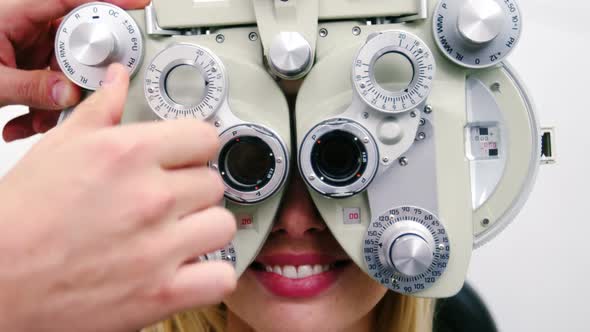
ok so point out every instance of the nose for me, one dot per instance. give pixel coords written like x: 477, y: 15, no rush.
x: 298, y: 216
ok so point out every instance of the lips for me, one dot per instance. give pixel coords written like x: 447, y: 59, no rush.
x: 298, y: 275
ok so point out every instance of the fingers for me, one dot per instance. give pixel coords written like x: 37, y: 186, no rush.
x: 103, y: 108
x: 196, y: 189
x: 201, y: 284
x: 42, y: 89
x: 201, y: 233
x: 45, y: 11
x: 175, y: 144
x: 18, y: 128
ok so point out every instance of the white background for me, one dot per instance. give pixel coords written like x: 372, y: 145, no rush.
x: 535, y: 276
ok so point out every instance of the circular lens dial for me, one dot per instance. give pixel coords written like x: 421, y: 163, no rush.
x: 92, y: 37
x: 406, y: 249
x: 393, y: 71
x: 185, y: 81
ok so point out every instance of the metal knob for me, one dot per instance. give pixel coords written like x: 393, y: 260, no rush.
x: 92, y: 44
x: 480, y: 21
x: 409, y: 254
x: 290, y: 55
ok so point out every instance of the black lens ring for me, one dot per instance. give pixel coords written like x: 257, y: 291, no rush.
x: 230, y: 179
x: 352, y: 173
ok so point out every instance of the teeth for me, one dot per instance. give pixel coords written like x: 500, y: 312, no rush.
x: 277, y: 270
x: 317, y: 269
x: 302, y: 271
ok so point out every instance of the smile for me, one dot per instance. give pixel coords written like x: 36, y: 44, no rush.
x: 298, y: 276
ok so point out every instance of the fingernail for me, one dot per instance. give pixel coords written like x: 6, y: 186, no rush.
x: 62, y: 94
x: 111, y: 76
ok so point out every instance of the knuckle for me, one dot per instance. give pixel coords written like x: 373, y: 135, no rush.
x: 226, y: 219
x: 155, y: 203
x: 209, y: 138
x: 30, y: 90
x: 162, y: 295
x: 116, y: 151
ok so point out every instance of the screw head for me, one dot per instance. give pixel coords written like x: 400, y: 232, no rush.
x: 366, y: 115
x: 403, y: 161
x: 253, y: 36
x: 217, y: 124
x: 413, y: 114
x: 366, y: 140
x: 311, y: 177
x: 495, y: 87
x: 356, y: 31
x: 323, y: 32
x: 421, y: 136
x: 279, y: 160
x: 422, y: 122
x: 485, y: 222
x: 385, y: 160
x: 220, y: 38
x: 428, y: 109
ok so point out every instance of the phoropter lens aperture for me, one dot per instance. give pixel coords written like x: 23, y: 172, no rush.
x: 339, y: 158
x: 247, y: 163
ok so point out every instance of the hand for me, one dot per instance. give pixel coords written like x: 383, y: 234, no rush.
x: 27, y: 35
x: 99, y: 223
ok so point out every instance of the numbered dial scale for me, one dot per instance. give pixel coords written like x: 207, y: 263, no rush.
x: 417, y: 64
x: 477, y: 33
x: 227, y: 254
x: 406, y: 249
x: 92, y: 37
x: 185, y: 81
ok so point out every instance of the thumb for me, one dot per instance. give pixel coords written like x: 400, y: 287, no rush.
x: 41, y: 89
x: 104, y: 107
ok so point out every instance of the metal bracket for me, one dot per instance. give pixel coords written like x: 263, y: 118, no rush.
x: 152, y: 26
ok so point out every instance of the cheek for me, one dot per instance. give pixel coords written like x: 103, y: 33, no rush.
x: 348, y: 303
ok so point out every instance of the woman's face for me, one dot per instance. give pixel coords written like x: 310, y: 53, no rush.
x: 302, y: 280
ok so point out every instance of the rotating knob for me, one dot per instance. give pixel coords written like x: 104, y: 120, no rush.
x: 409, y: 254
x: 290, y: 55
x: 92, y: 37
x: 480, y: 21
x: 406, y: 249
x: 477, y: 33
x: 92, y: 44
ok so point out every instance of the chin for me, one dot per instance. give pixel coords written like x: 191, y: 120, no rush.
x: 344, y: 299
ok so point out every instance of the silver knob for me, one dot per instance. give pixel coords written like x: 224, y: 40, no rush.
x: 92, y: 44
x: 410, y: 255
x: 480, y: 21
x: 290, y: 55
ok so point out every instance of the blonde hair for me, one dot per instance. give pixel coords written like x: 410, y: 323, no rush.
x: 394, y: 313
